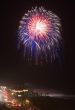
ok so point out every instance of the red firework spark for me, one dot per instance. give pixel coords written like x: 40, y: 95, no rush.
x: 38, y: 26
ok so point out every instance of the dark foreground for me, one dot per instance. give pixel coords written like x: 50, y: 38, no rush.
x: 42, y: 103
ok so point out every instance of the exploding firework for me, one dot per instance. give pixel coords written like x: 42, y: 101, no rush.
x: 39, y: 35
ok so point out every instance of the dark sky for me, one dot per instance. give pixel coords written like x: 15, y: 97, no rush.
x: 13, y: 69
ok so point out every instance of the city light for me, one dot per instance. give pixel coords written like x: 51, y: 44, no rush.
x: 19, y: 98
x: 24, y: 90
x: 27, y: 101
x: 19, y: 95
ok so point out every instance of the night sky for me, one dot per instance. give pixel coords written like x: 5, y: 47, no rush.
x: 14, y: 70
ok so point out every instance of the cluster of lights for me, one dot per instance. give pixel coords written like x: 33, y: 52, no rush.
x: 4, y: 94
x: 19, y: 91
x: 8, y: 96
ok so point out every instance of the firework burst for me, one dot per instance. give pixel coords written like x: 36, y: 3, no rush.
x: 39, y: 35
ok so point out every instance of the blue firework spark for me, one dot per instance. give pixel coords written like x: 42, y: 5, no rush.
x: 39, y: 35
